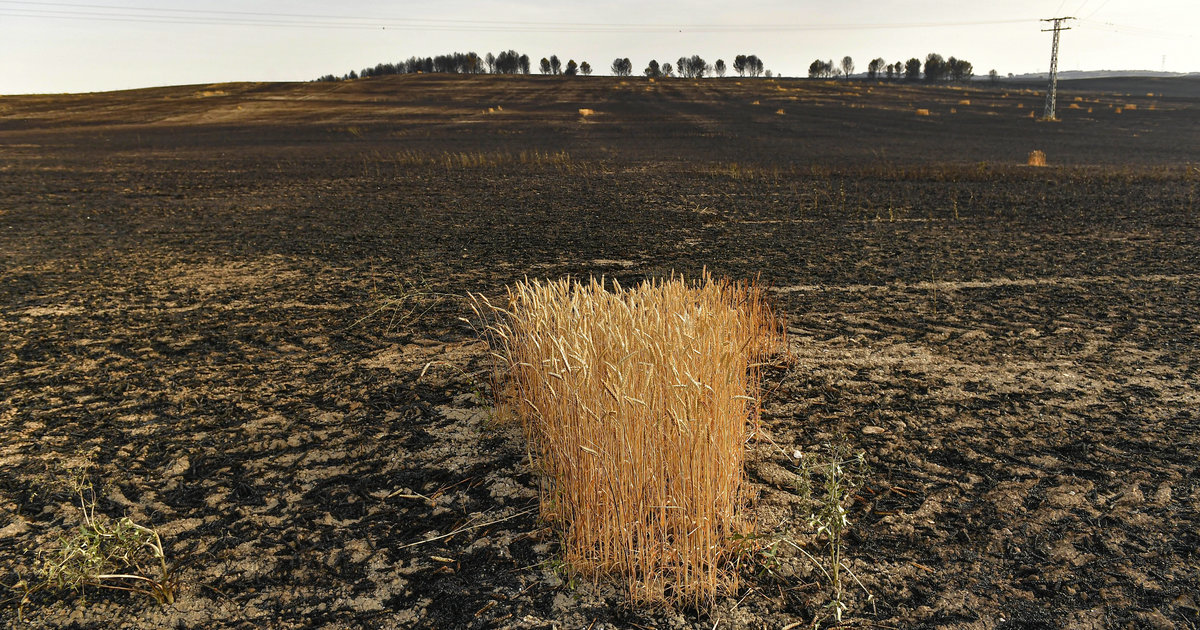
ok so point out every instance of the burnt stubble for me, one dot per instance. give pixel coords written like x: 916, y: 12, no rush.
x: 242, y: 300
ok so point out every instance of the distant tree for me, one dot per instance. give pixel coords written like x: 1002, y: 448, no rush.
x: 935, y: 68
x: 739, y: 65
x: 352, y: 75
x: 622, y: 67
x: 524, y: 64
x: 509, y: 62
x: 891, y: 71
x: 960, y: 69
x: 490, y: 60
x: 719, y: 67
x: 652, y: 70
x: 817, y: 69
x: 422, y: 64
x: 585, y: 69
x: 555, y: 64
x: 993, y: 77
x: 691, y: 67
x: 544, y: 66
x: 754, y: 65
x: 874, y: 67
x: 443, y: 63
x: 847, y: 66
x: 667, y: 70
x: 572, y: 68
x: 912, y: 69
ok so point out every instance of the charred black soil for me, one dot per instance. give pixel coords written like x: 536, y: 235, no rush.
x: 242, y: 302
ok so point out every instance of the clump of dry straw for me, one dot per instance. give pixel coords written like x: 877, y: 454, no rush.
x: 638, y: 404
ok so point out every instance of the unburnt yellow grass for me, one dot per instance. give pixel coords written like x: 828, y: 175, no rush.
x: 637, y: 404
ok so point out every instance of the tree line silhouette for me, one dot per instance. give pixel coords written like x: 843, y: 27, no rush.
x: 512, y: 62
x: 935, y: 69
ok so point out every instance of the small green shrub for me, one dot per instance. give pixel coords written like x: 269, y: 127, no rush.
x: 116, y: 554
x: 825, y: 482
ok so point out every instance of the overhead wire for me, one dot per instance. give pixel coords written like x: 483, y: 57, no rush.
x: 1102, y: 5
x: 205, y: 17
x: 1133, y: 30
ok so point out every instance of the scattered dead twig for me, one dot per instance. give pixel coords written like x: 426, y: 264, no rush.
x: 486, y: 607
x: 466, y: 528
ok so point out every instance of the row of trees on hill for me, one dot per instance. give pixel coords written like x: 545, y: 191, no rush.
x: 511, y: 62
x: 554, y: 65
x: 507, y: 62
x: 936, y: 69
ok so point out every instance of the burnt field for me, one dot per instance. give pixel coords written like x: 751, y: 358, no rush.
x: 241, y: 303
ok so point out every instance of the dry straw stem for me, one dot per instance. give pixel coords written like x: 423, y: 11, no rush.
x: 637, y: 404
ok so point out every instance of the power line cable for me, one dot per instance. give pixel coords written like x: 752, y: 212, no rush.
x: 249, y: 18
x: 1098, y: 9
x: 1134, y: 30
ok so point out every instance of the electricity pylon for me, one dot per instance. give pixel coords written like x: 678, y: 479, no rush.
x: 1052, y: 89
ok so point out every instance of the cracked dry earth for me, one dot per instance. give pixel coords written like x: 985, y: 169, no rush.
x: 255, y: 338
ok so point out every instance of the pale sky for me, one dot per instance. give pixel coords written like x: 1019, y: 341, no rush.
x: 94, y: 45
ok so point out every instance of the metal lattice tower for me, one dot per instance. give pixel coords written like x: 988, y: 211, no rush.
x: 1052, y: 89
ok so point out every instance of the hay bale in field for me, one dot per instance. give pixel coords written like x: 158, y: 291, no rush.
x: 1036, y: 158
x: 922, y: 112
x: 637, y: 404
x: 583, y: 111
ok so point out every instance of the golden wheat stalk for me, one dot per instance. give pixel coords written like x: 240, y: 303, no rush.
x: 637, y: 404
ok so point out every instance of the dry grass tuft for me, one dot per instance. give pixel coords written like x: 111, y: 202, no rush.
x: 637, y: 404
x: 1037, y: 158
x: 1129, y: 107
